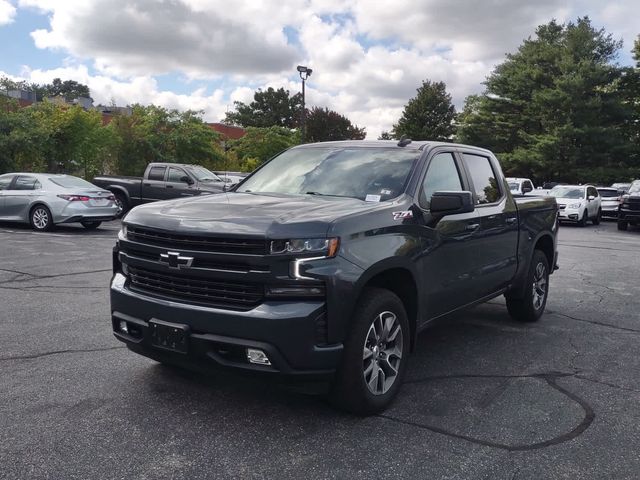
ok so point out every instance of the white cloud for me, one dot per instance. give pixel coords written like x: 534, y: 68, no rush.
x: 7, y: 12
x: 368, y: 56
x: 143, y: 90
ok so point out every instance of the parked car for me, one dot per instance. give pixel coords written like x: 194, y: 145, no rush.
x: 328, y: 260
x: 520, y: 186
x: 44, y: 200
x: 621, y: 187
x: 610, y: 201
x: 629, y: 210
x: 161, y: 181
x: 578, y: 203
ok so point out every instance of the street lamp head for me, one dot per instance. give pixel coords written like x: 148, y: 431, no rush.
x: 304, y: 72
x: 301, y: 69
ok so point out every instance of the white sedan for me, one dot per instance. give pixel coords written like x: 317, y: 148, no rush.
x: 46, y: 199
x: 578, y: 203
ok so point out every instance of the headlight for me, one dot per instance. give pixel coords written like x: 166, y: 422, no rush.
x: 123, y: 231
x: 327, y: 247
x: 574, y: 205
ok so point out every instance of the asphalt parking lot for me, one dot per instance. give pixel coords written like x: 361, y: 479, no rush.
x: 485, y: 398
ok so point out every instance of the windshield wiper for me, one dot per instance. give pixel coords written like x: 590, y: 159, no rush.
x: 328, y: 195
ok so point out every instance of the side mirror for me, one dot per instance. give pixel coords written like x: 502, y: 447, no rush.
x: 186, y: 179
x: 451, y: 203
x: 527, y: 189
x: 591, y: 197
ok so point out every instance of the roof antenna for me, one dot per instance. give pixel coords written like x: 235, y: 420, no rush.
x: 404, y: 141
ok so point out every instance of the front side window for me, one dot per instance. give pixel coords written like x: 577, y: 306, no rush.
x: 157, y: 173
x: 442, y: 175
x: 5, y: 181
x: 370, y: 174
x: 202, y: 174
x: 175, y: 175
x: 483, y: 177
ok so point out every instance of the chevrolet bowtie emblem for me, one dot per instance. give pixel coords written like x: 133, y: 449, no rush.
x: 175, y: 260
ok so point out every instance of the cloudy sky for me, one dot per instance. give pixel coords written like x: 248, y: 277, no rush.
x: 368, y: 56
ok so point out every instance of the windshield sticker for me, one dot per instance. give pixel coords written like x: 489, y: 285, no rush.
x: 384, y: 191
x: 372, y: 198
x: 402, y: 215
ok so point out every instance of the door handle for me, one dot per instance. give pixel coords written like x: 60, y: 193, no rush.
x: 168, y: 186
x: 472, y: 227
x: 511, y: 220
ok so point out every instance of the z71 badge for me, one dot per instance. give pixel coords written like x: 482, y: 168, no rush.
x: 402, y: 215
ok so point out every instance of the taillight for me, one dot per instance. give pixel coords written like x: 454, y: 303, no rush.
x: 75, y: 198
x: 111, y: 197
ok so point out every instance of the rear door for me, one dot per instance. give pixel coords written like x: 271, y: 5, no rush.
x: 5, y: 182
x: 153, y: 185
x: 496, y: 254
x: 18, y: 197
x: 446, y: 242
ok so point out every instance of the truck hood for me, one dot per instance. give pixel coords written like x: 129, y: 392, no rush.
x: 248, y: 214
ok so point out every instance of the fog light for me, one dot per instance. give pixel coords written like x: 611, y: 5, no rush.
x: 257, y: 356
x: 123, y: 327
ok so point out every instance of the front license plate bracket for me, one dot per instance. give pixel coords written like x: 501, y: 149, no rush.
x: 169, y: 336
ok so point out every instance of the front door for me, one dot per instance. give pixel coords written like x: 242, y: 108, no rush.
x: 176, y: 186
x: 447, y: 252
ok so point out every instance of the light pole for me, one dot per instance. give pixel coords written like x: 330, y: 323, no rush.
x: 305, y: 73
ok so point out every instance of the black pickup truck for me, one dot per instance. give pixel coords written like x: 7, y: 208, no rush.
x: 161, y: 181
x: 629, y: 208
x: 327, y: 262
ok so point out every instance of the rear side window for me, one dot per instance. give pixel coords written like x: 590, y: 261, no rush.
x: 442, y: 175
x: 5, y: 181
x: 157, y: 173
x: 485, y: 182
x: 26, y: 183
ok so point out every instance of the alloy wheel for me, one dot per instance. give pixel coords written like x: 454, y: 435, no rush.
x: 382, y: 353
x: 40, y: 218
x: 539, y: 286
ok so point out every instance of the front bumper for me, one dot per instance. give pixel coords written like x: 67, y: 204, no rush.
x: 285, y: 331
x: 569, y: 215
x: 627, y: 214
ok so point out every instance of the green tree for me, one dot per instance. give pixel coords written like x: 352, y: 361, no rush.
x: 156, y: 134
x: 555, y: 109
x: 429, y: 115
x: 269, y: 108
x: 385, y: 135
x: 69, y: 89
x: 260, y: 144
x: 324, y: 125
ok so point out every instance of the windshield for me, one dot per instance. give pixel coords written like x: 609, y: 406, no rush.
x: 606, y: 193
x: 567, y: 192
x: 514, y: 186
x: 371, y: 174
x: 201, y: 174
x: 71, y: 182
x: 635, y: 187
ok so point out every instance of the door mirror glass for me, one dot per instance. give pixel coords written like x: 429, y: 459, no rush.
x: 451, y: 203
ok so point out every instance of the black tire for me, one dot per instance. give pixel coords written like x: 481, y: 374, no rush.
x: 598, y: 217
x: 349, y: 389
x: 91, y: 225
x: 40, y: 218
x: 583, y: 221
x: 122, y: 203
x: 531, y: 307
x: 623, y: 225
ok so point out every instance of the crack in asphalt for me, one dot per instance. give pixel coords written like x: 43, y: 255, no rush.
x: 58, y: 352
x: 58, y: 275
x: 549, y: 377
x: 595, y: 322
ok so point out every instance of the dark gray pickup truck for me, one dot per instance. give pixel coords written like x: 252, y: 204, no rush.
x: 161, y: 181
x: 328, y: 261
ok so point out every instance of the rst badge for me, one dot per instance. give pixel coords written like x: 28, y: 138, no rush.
x: 402, y: 215
x: 175, y: 260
